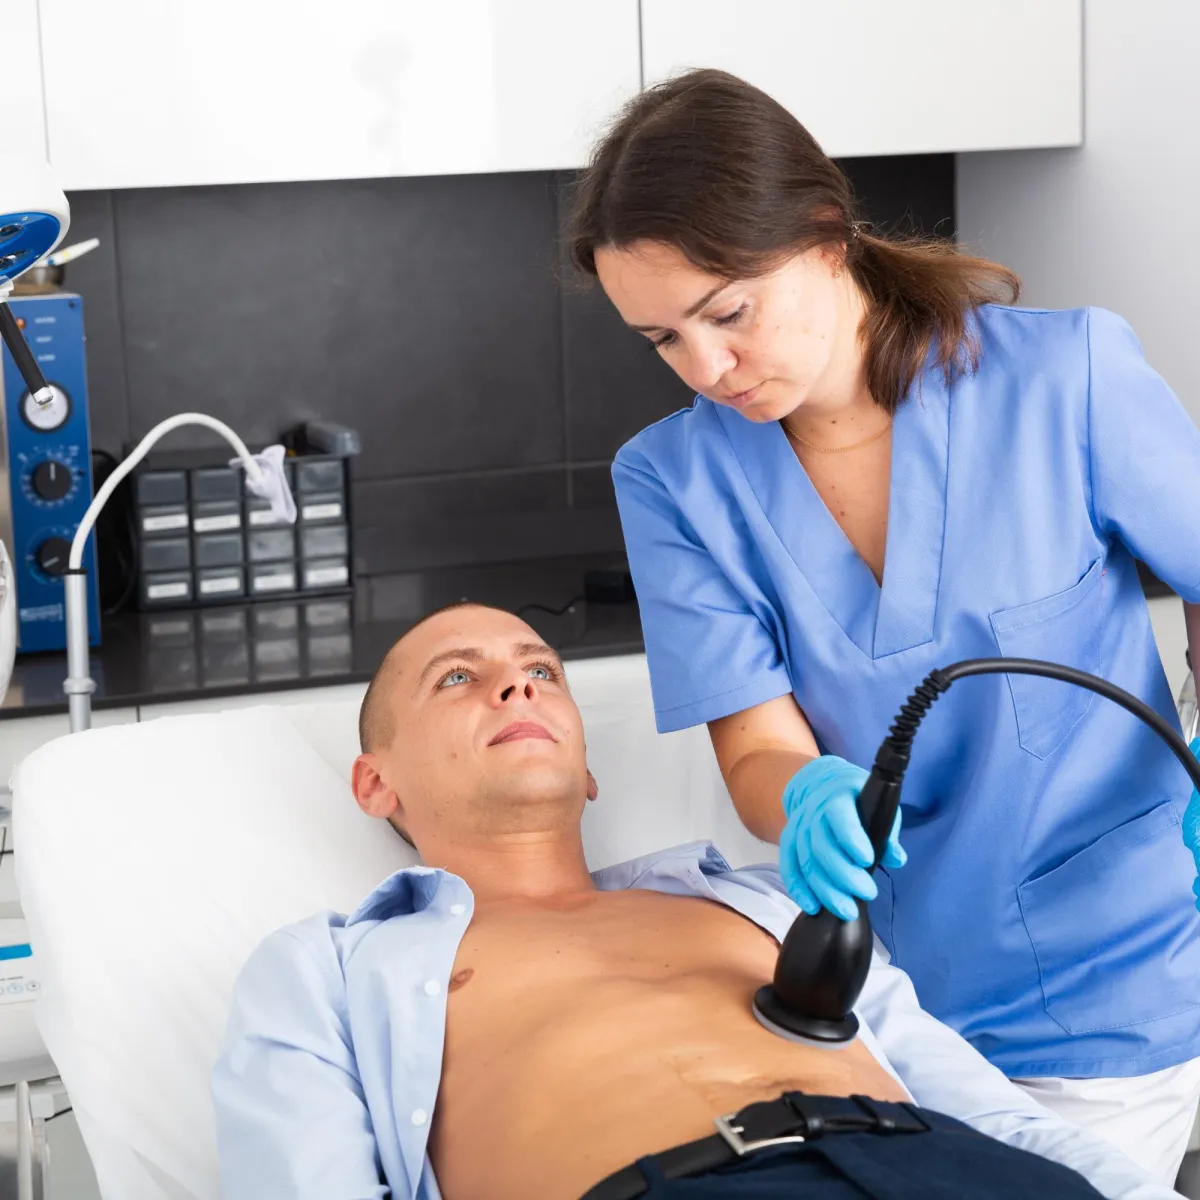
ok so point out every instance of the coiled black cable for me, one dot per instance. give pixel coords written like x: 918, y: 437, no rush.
x: 898, y: 743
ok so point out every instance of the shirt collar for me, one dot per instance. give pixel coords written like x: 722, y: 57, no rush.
x: 408, y: 891
x: 627, y: 874
x: 412, y: 889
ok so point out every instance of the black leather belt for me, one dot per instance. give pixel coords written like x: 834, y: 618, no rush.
x: 792, y: 1119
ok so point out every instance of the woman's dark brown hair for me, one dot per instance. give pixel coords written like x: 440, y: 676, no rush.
x: 716, y: 168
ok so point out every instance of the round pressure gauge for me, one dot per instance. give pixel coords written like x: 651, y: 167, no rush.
x: 46, y: 418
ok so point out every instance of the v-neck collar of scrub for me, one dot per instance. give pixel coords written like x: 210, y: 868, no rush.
x: 879, y: 619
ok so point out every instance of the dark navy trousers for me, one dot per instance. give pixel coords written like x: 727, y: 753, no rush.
x: 950, y: 1161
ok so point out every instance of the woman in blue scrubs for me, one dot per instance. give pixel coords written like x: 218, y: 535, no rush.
x: 886, y: 471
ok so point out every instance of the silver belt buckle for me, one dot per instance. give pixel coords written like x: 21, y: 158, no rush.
x: 732, y: 1133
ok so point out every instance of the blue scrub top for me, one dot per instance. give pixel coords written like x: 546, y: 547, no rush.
x: 1045, y: 911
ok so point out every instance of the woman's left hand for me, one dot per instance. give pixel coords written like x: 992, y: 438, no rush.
x: 1191, y: 825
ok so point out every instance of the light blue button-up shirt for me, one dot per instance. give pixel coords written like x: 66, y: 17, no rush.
x: 327, y: 1086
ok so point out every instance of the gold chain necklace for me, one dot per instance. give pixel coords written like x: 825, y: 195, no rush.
x: 834, y: 449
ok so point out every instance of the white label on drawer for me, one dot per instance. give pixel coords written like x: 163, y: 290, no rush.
x: 320, y: 512
x: 212, y: 524
x: 166, y: 591
x: 263, y: 516
x: 318, y: 576
x: 275, y: 583
x: 171, y: 521
x: 214, y: 587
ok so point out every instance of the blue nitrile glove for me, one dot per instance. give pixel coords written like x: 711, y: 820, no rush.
x: 1191, y: 825
x: 824, y: 849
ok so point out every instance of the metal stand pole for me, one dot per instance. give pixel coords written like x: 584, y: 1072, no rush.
x: 24, y: 1142
x: 79, y: 684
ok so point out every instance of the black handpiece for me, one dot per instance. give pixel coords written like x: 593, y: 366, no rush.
x: 823, y: 962
x: 18, y: 347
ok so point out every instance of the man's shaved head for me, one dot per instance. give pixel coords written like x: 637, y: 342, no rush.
x: 469, y: 733
x: 376, y: 718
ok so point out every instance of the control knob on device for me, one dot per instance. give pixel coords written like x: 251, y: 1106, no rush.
x: 52, y: 555
x: 51, y: 480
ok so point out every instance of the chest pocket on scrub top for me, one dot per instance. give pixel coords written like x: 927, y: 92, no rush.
x: 1063, y: 628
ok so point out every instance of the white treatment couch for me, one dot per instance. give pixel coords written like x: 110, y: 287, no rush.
x: 155, y: 856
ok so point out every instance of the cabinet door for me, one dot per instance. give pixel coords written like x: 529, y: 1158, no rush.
x: 880, y: 77
x: 142, y: 93
x: 24, y: 108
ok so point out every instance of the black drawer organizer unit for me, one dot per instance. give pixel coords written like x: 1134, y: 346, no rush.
x: 203, y: 538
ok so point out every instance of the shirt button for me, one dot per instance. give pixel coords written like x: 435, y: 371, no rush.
x: 457, y: 910
x: 432, y: 987
x: 420, y: 1116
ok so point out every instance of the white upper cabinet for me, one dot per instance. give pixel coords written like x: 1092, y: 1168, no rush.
x: 152, y: 93
x: 24, y: 112
x: 891, y: 76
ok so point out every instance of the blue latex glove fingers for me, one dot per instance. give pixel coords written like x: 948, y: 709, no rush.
x: 815, y: 782
x: 824, y: 846
x: 839, y: 846
x: 846, y: 835
x: 1191, y: 816
x: 840, y: 901
x: 789, y: 868
x: 894, y: 854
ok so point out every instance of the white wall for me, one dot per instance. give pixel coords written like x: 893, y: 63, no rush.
x: 1112, y: 223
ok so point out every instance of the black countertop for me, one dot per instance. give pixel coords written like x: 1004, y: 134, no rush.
x: 230, y: 650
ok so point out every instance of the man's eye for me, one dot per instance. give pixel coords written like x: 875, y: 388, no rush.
x: 543, y: 671
x: 454, y: 678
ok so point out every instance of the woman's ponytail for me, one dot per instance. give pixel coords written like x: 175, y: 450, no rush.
x: 919, y: 294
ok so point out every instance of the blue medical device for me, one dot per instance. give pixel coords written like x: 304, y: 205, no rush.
x: 46, y: 468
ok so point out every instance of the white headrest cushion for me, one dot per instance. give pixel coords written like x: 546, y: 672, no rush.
x: 153, y: 859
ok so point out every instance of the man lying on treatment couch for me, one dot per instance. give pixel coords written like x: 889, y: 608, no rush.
x: 501, y: 1024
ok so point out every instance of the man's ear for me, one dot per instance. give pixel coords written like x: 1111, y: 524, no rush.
x: 373, y: 794
x: 593, y: 788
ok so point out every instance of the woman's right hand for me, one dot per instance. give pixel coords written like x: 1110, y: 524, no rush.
x: 824, y: 850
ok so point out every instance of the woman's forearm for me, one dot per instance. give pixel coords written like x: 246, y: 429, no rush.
x: 756, y: 783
